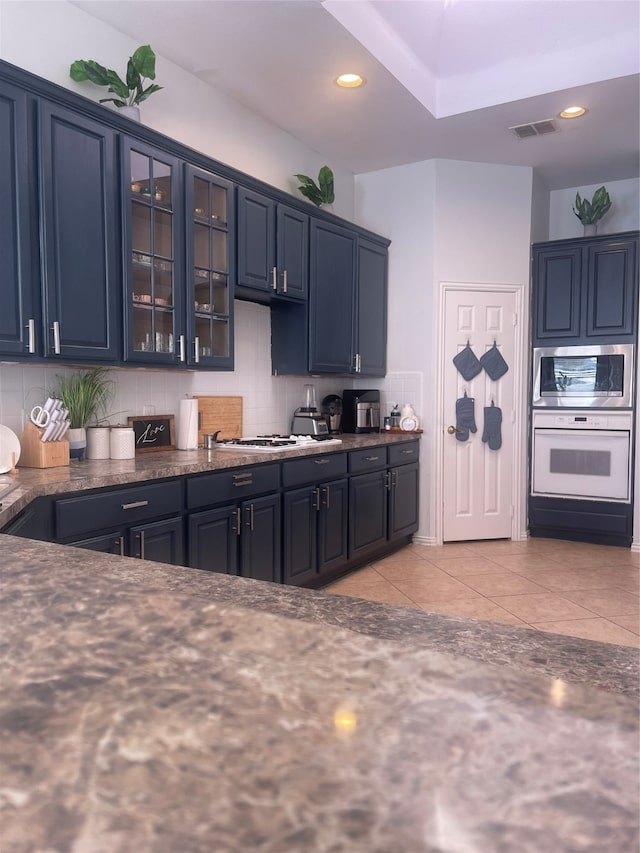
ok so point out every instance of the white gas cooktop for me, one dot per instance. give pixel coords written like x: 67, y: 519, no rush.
x: 274, y: 443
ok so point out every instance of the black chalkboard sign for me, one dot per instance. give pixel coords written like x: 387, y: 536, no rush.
x: 153, y: 432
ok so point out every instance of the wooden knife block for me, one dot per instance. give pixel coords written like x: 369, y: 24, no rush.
x: 35, y: 453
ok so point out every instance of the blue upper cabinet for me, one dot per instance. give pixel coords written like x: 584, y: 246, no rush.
x: 18, y: 229
x: 80, y: 247
x: 210, y: 269
x: 370, y: 332
x: 586, y: 290
x: 273, y: 249
x: 153, y: 248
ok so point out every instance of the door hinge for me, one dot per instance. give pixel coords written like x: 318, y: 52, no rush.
x: 515, y: 319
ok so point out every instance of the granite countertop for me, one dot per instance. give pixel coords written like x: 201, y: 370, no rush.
x: 30, y: 483
x: 156, y: 708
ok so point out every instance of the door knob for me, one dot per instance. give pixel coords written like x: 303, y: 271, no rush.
x: 452, y: 430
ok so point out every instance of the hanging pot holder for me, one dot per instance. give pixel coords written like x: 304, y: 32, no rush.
x: 465, y: 417
x: 467, y: 363
x: 494, y: 364
x: 492, y: 426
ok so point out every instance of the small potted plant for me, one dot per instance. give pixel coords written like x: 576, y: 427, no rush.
x: 85, y: 396
x: 129, y: 92
x: 320, y: 193
x: 590, y: 212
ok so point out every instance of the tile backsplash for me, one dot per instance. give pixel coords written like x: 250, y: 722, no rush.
x: 268, y: 401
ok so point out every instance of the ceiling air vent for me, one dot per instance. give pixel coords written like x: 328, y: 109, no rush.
x: 536, y: 128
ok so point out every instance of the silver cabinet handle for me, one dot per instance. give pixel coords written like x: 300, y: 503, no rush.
x: 120, y: 541
x: 181, y: 345
x: 274, y: 278
x: 394, y: 479
x: 238, y: 516
x: 387, y: 481
x: 371, y: 458
x: 135, y: 504
x: 250, y: 522
x: 196, y: 349
x: 142, y: 544
x: 359, y: 368
x: 407, y: 452
x: 321, y: 461
x: 316, y: 500
x: 326, y: 497
x: 56, y: 337
x: 284, y: 281
x: 31, y: 327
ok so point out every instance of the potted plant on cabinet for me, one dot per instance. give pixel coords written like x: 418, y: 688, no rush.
x: 129, y: 92
x: 320, y: 193
x: 85, y: 396
x: 590, y: 212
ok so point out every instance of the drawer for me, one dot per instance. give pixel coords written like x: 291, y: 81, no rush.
x: 234, y: 484
x: 315, y: 469
x: 399, y: 454
x: 369, y: 459
x: 89, y: 513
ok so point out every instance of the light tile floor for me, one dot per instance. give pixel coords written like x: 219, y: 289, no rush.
x: 588, y: 591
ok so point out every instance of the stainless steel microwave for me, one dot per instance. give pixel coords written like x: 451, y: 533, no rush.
x: 584, y: 376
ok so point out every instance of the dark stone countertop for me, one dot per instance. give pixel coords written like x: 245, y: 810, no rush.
x: 155, y: 708
x: 30, y: 483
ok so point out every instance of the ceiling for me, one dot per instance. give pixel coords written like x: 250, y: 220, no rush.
x: 444, y: 78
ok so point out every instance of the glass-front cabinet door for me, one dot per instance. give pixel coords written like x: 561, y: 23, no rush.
x: 210, y: 270
x: 153, y: 223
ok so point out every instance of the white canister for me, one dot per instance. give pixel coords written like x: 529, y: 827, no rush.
x: 98, y: 442
x: 122, y: 443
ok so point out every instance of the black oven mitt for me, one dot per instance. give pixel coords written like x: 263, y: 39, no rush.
x: 494, y: 364
x: 465, y: 417
x: 492, y: 426
x: 467, y: 363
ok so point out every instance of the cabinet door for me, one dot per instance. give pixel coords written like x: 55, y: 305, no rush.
x: 331, y: 298
x: 80, y: 262
x: 159, y: 541
x: 213, y: 540
x: 333, y: 527
x: 300, y: 523
x: 18, y: 233
x: 557, y: 277
x: 256, y: 241
x: 210, y: 270
x: 371, y: 317
x: 367, y: 512
x: 292, y: 252
x: 403, y: 503
x: 154, y: 255
x: 109, y: 543
x: 260, y: 539
x: 612, y: 290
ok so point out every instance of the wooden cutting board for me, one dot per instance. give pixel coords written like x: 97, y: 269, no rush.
x: 219, y: 413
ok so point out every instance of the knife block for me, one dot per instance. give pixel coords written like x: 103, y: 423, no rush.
x: 35, y: 453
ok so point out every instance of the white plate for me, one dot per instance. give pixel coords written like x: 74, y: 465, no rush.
x: 9, y: 443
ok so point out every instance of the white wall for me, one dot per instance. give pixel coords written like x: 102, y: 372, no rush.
x: 624, y: 214
x: 448, y: 221
x: 44, y: 38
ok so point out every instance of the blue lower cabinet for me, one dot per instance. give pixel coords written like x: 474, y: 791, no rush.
x: 158, y: 541
x: 315, y: 530
x: 368, y: 507
x: 403, y: 500
x: 241, y: 538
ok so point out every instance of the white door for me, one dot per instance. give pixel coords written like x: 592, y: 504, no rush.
x: 477, y: 481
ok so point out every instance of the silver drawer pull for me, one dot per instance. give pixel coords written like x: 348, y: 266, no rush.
x: 371, y: 458
x: 248, y: 482
x: 135, y: 505
x: 407, y: 452
x: 322, y: 461
x: 243, y: 475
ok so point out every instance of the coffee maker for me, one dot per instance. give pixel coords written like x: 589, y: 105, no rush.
x: 360, y: 410
x: 307, y: 420
x: 332, y: 411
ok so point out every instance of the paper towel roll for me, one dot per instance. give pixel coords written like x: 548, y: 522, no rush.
x: 188, y: 424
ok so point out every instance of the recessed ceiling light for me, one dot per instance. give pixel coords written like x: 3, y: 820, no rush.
x: 350, y: 81
x: 573, y: 112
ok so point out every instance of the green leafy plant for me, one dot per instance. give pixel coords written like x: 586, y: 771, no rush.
x: 84, y: 395
x: 589, y: 212
x: 129, y: 93
x: 320, y: 193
